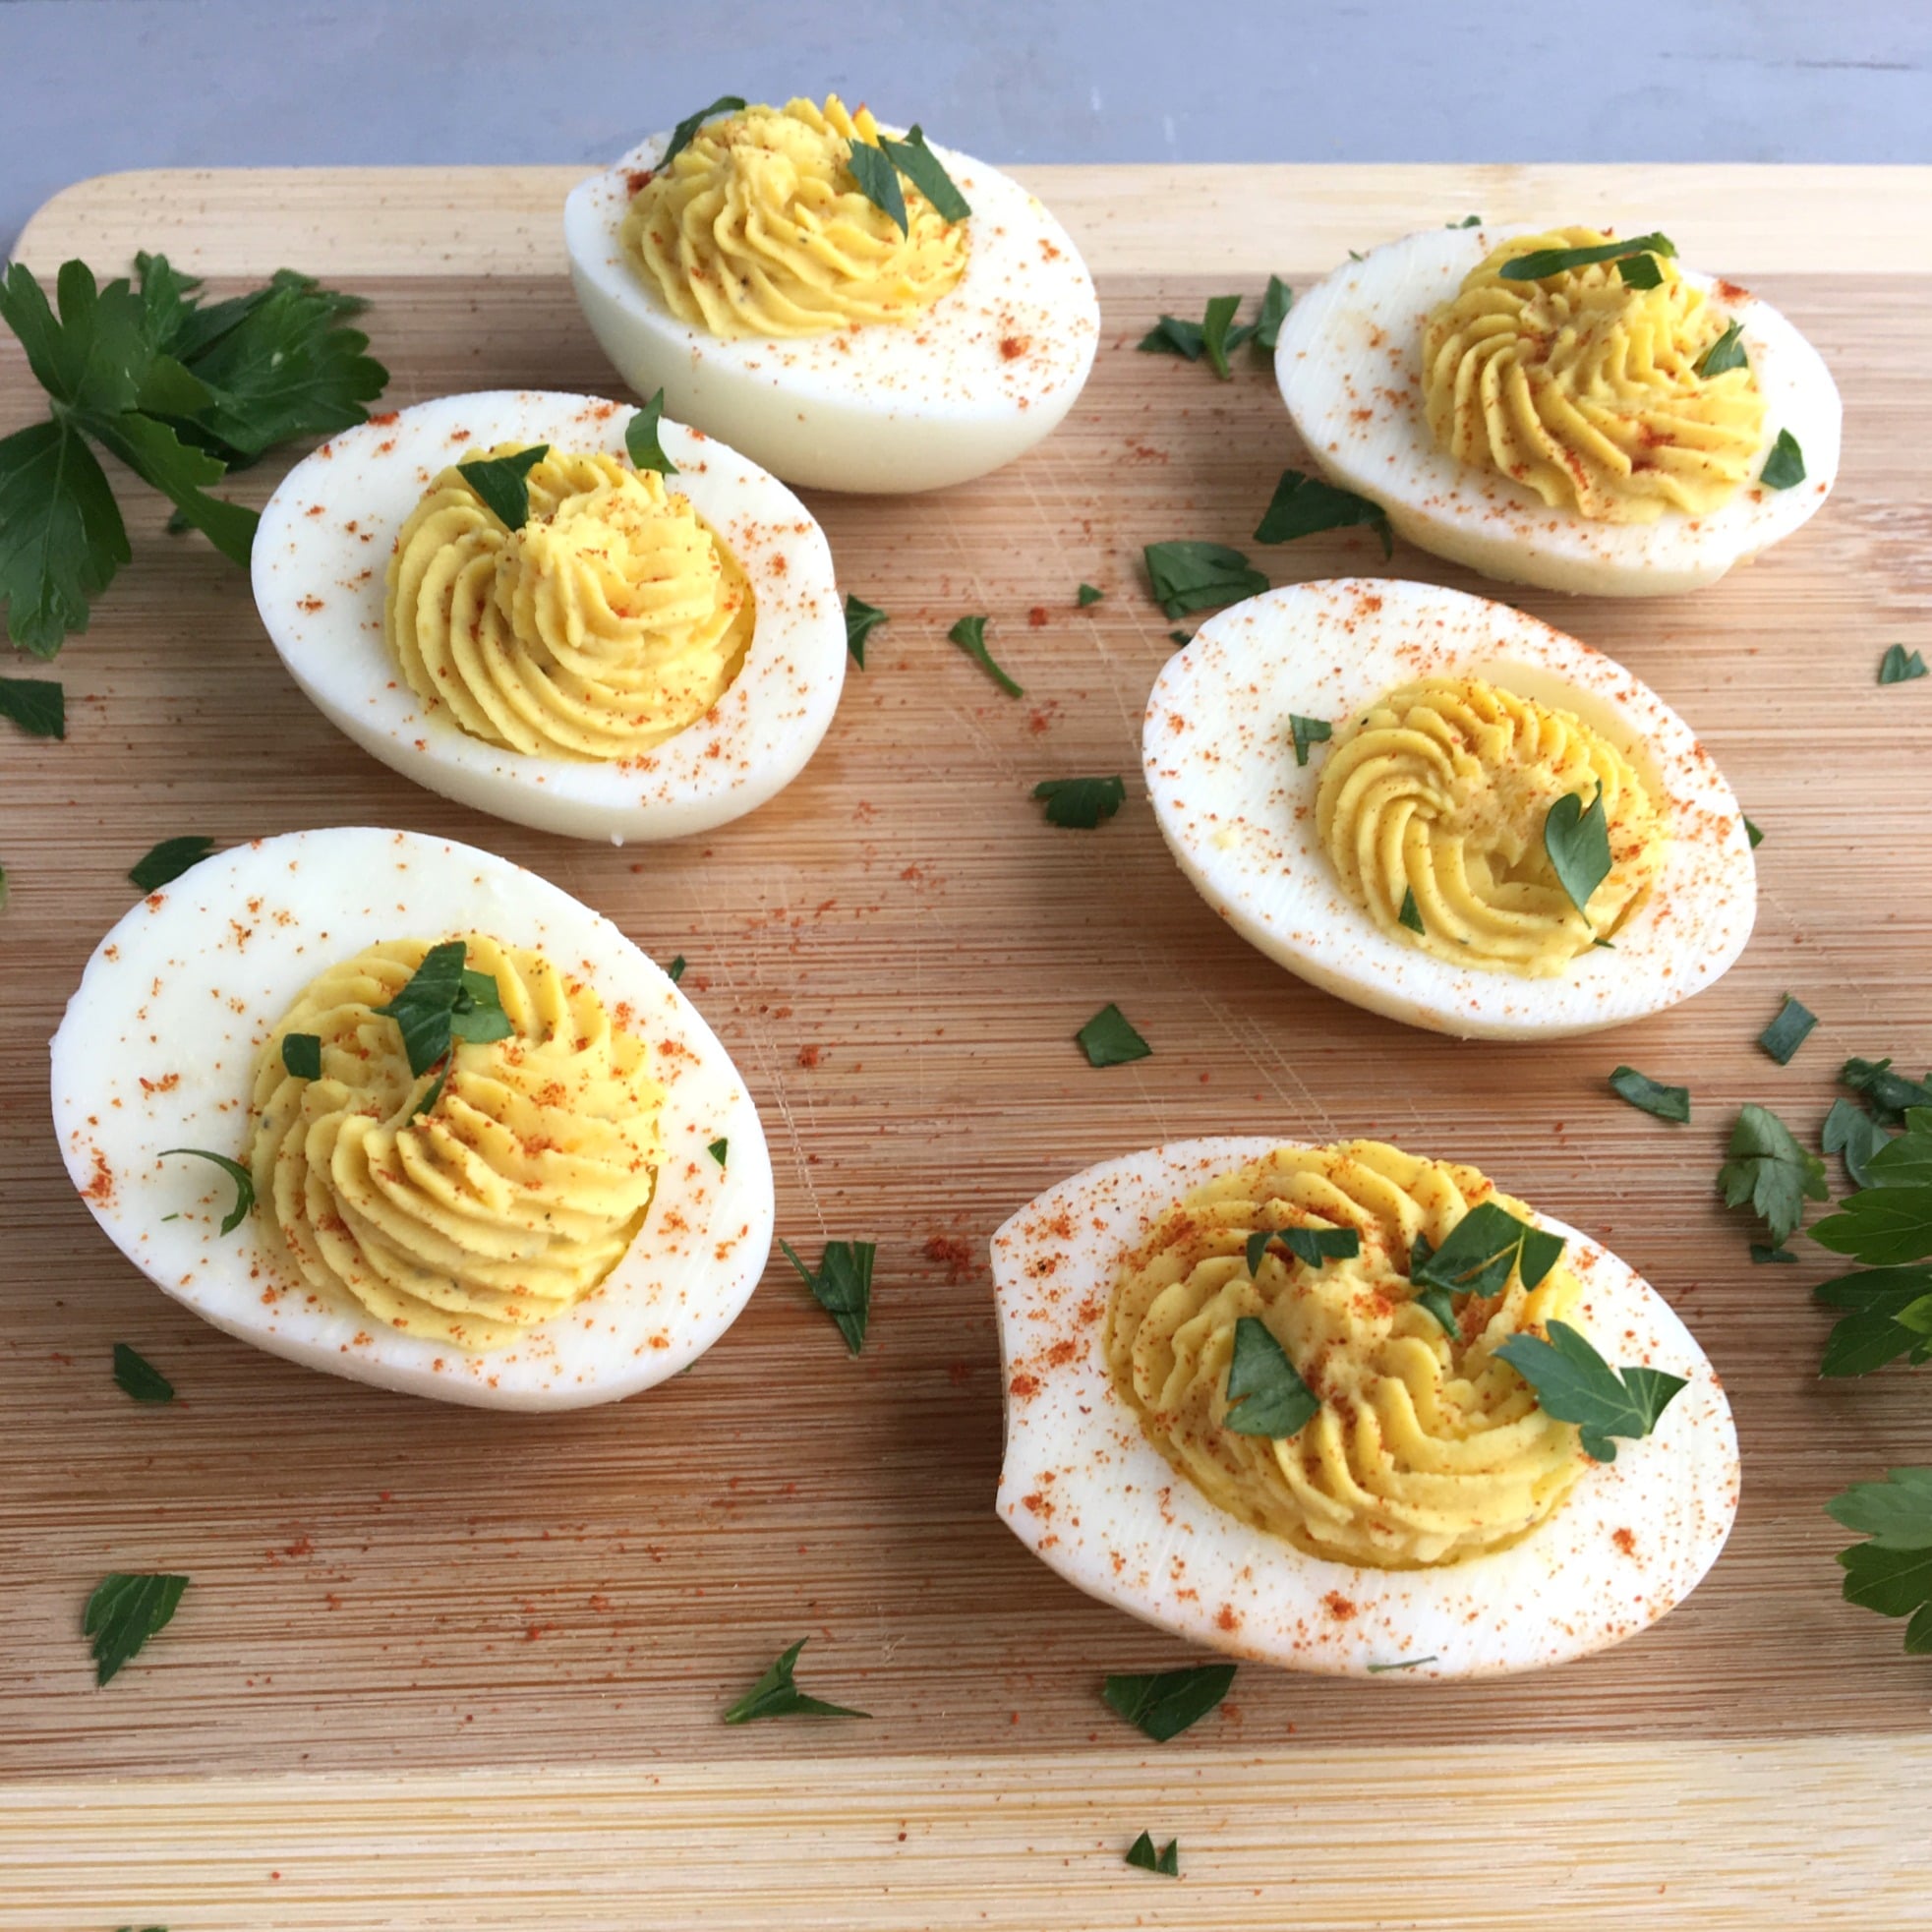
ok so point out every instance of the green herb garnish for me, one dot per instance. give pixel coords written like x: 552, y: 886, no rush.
x: 861, y: 620
x: 1214, y: 328
x: 166, y: 862
x: 1770, y: 1170
x: 38, y: 705
x: 1789, y: 1032
x: 878, y: 181
x: 1760, y: 1253
x: 1266, y: 1396
x: 1315, y: 1246
x: 675, y: 971
x: 1143, y: 1856
x: 1276, y: 300
x: 1785, y: 466
x: 126, y: 1609
x: 1574, y: 1384
x: 1468, y: 222
x: 1892, y: 1572
x: 302, y: 1055
x: 1080, y: 801
x: 138, y: 1376
x: 1725, y: 353
x: 843, y: 1285
x: 720, y: 1148
x: 1544, y: 262
x: 1212, y: 336
x: 1086, y: 595
x: 1889, y: 1094
x: 503, y: 483
x: 1181, y: 637
x: 1651, y: 1097
x: 1577, y: 841
x: 776, y: 1695
x: 1890, y: 1223
x: 181, y: 393
x: 1752, y: 832
x: 1108, y: 1040
x: 1851, y: 1133
x: 1483, y: 1249
x: 445, y: 1002
x: 970, y: 634
x: 1189, y: 576
x: 244, y: 1182
x: 1640, y: 271
x: 924, y: 170
x: 1413, y: 1663
x: 686, y: 132
x: 1895, y: 667
x: 641, y: 443
x: 1304, y: 504
x: 1305, y: 732
x: 1411, y: 913
x: 1164, y: 1702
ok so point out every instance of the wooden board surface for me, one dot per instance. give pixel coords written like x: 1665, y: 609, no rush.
x: 391, y: 1598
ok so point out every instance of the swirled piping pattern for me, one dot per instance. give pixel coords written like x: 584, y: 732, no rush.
x: 1428, y: 1447
x: 613, y: 620
x: 1442, y: 789
x: 500, y: 1208
x: 758, y: 228
x: 1585, y: 388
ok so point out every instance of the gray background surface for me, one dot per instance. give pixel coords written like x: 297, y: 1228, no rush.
x: 92, y: 85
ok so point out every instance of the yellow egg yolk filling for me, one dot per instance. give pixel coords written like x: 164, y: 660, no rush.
x: 1428, y: 1446
x: 758, y: 228
x: 1585, y: 388
x: 1435, y: 801
x: 506, y: 1203
x: 610, y: 621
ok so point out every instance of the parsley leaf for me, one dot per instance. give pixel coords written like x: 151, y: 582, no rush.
x: 1761, y: 1253
x: 1752, y: 832
x: 1640, y: 271
x: 1651, y: 1097
x: 641, y: 443
x: 1882, y: 1226
x: 302, y: 1055
x: 1544, y: 262
x: 843, y: 1285
x: 1186, y: 575
x: 1869, y: 1333
x: 445, y: 1002
x: 1574, y: 1384
x: 164, y: 863
x: 1213, y: 337
x: 970, y: 634
x: 1108, y: 1040
x: 38, y: 705
x: 1895, y: 668
x: 1173, y: 335
x: 1410, y: 1663
x: 1085, y: 595
x: 1162, y: 1704
x: 1303, y: 505
x: 1483, y: 1249
x: 1892, y: 1572
x: 1305, y: 732
x: 1277, y: 301
x: 1411, y: 913
x: 927, y: 173
x: 683, y: 135
x: 1315, y: 1246
x: 244, y: 1182
x: 1725, y: 353
x: 1214, y: 328
x: 1265, y: 1394
x: 1851, y: 1132
x: 138, y: 1376
x: 1468, y: 222
x: 503, y: 483
x: 1770, y: 1170
x: 126, y: 1609
x: 876, y: 178
x: 1889, y: 1094
x: 1785, y: 466
x: 1577, y: 842
x: 776, y: 1695
x: 1789, y: 1032
x: 1143, y: 1856
x: 1080, y: 801
x: 720, y: 1149
x: 60, y: 534
x: 861, y: 620
x: 675, y: 971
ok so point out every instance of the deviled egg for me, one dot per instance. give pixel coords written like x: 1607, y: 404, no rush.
x: 1439, y: 808
x: 645, y: 654
x: 1291, y: 1402
x: 1563, y: 408
x: 400, y: 1110
x: 853, y: 307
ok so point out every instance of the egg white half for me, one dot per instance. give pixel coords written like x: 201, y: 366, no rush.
x: 1349, y: 365
x: 157, y: 1050
x: 1084, y: 1490
x: 987, y: 371
x: 323, y: 551
x: 1238, y: 813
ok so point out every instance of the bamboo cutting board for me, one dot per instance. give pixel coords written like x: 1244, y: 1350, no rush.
x: 443, y: 1668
